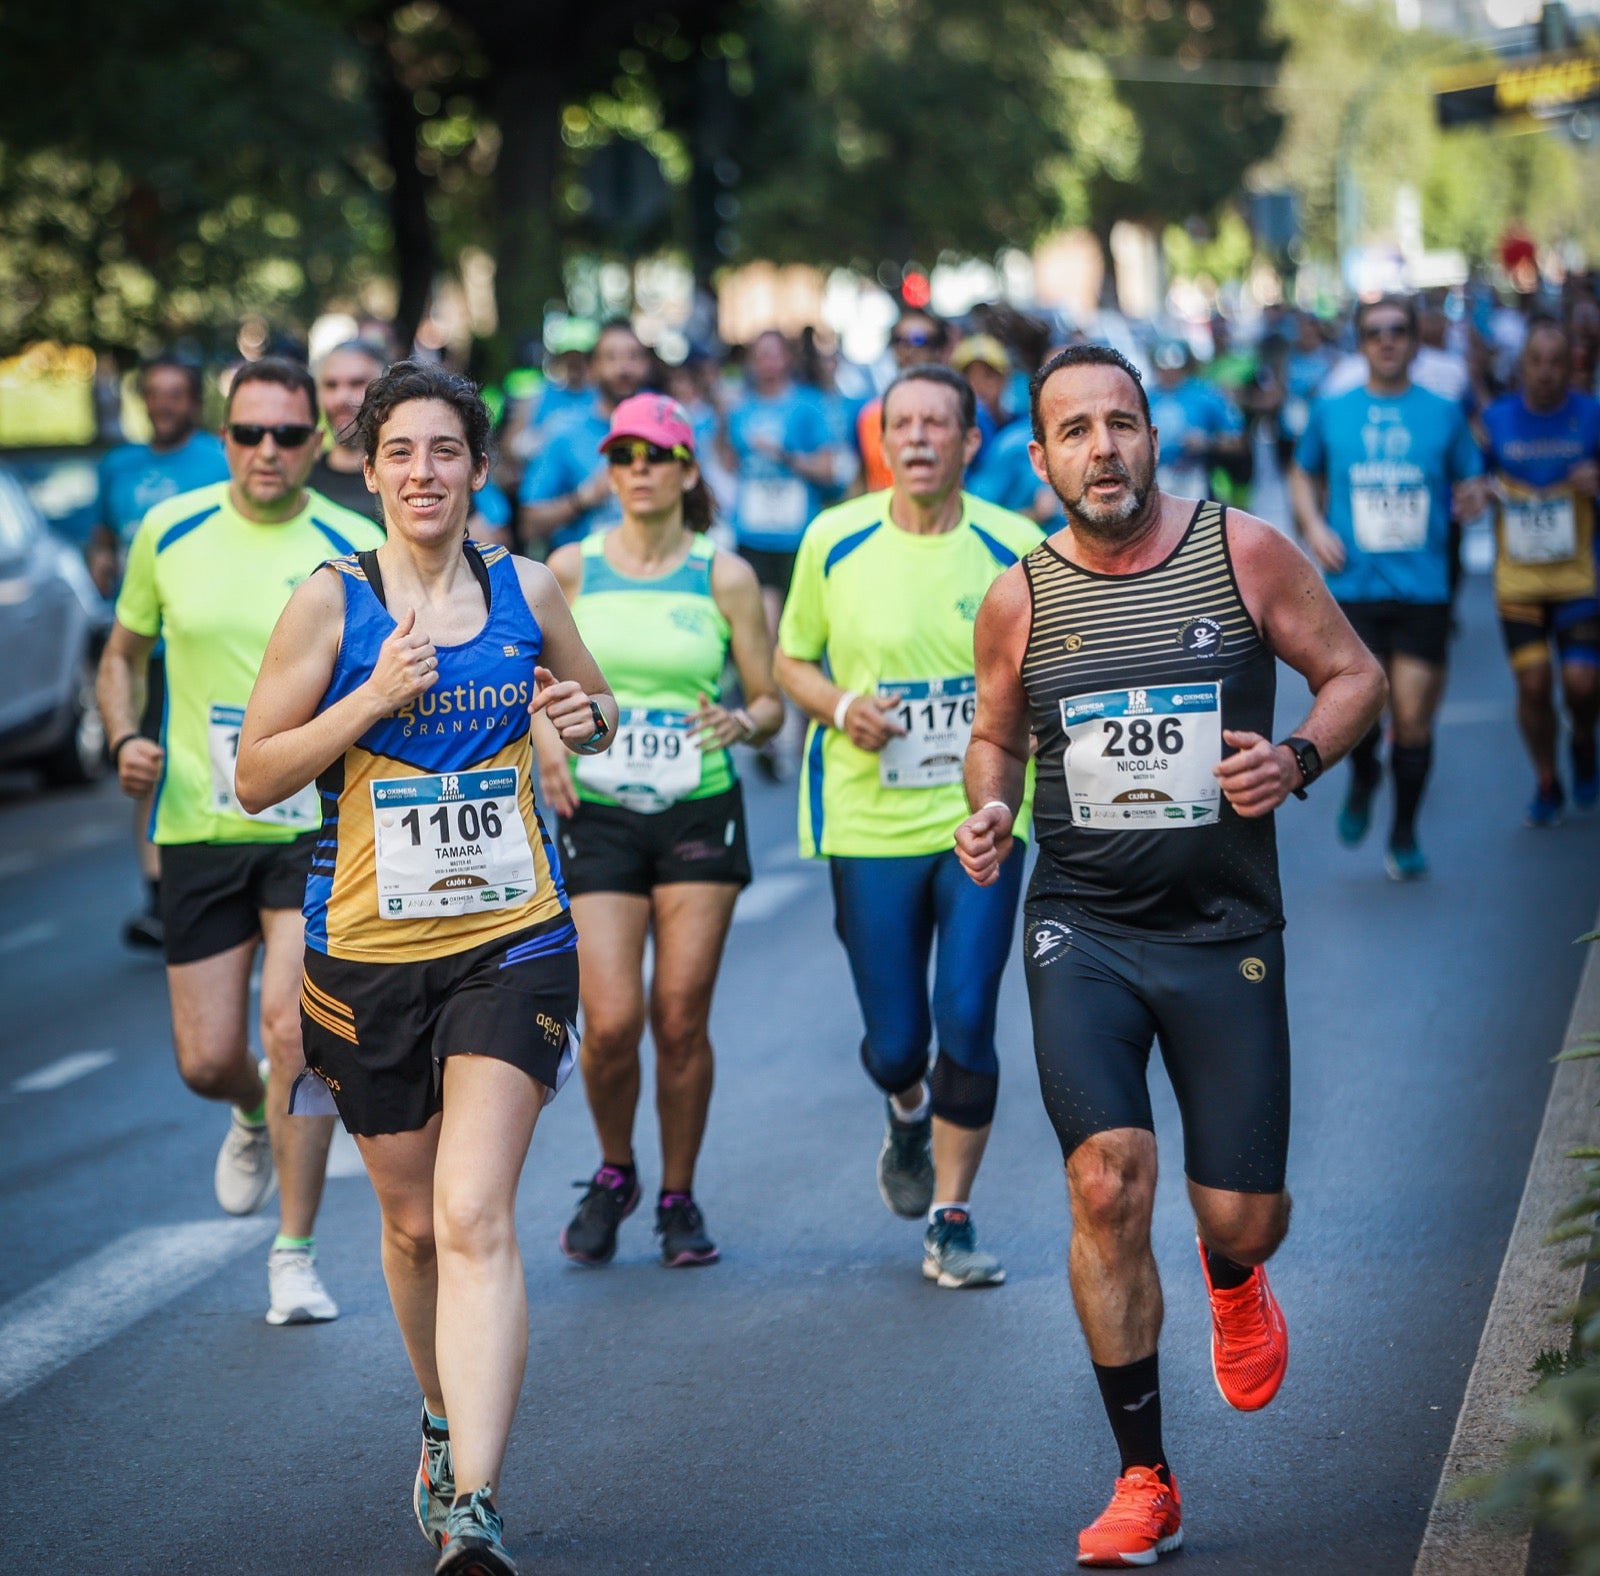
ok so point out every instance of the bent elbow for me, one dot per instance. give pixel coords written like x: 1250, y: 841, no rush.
x: 247, y: 791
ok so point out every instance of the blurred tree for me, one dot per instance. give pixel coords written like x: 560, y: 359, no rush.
x: 164, y: 166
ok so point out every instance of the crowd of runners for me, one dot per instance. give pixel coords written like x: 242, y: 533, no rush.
x: 432, y: 699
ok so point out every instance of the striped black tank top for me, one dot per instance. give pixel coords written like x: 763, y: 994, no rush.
x: 1131, y: 680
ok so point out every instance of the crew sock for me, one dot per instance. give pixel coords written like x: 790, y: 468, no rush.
x: 924, y: 1106
x: 1225, y: 1274
x: 281, y: 1241
x: 434, y: 1427
x: 152, y: 898
x: 1131, y: 1395
x: 1409, y: 764
x: 670, y: 1196
x: 1365, y: 769
x: 627, y: 1171
x: 256, y: 1117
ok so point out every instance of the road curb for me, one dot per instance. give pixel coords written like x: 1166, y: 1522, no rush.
x: 1532, y: 1290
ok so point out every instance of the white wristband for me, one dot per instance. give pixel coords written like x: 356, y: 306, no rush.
x: 844, y: 706
x: 997, y: 804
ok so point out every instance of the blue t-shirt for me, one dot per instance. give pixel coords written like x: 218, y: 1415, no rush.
x: 1002, y: 473
x: 1193, y: 409
x: 557, y: 405
x: 1537, y: 448
x: 774, y: 504
x: 567, y: 461
x: 134, y: 478
x: 1390, y: 462
x: 1303, y: 374
x: 491, y: 502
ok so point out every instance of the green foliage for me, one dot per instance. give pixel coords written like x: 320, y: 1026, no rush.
x: 1552, y: 1476
x: 163, y: 165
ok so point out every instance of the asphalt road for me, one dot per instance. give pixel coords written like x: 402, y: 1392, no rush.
x: 810, y: 1405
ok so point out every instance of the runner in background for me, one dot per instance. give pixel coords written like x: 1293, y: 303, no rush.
x: 653, y: 831
x: 918, y: 339
x: 876, y: 648
x: 209, y: 572
x: 342, y: 378
x: 1543, y: 450
x: 133, y: 479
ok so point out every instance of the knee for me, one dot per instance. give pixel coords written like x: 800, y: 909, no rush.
x: 1247, y: 1228
x: 469, y: 1223
x: 961, y: 1096
x: 679, y: 1031
x: 1582, y: 684
x: 211, y: 1072
x: 611, y: 1040
x: 408, y: 1233
x: 280, y: 1039
x: 1112, y: 1186
x: 894, y: 1065
x: 1534, y: 686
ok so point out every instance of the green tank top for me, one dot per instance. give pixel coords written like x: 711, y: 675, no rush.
x: 661, y: 642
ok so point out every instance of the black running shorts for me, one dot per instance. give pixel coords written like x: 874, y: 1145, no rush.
x: 377, y: 1034
x: 1219, y: 1011
x: 774, y: 570
x: 606, y: 848
x: 1402, y: 629
x: 212, y: 894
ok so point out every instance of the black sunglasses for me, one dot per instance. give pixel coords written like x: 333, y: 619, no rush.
x: 248, y: 435
x: 628, y: 452
x: 1387, y: 331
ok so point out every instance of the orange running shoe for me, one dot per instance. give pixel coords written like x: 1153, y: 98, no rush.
x: 1249, y: 1340
x: 1143, y: 1521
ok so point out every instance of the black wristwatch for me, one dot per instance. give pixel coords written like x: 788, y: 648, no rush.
x: 602, y: 730
x: 1308, y: 758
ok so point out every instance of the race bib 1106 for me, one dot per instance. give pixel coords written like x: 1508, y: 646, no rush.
x: 1143, y: 759
x: 450, y: 844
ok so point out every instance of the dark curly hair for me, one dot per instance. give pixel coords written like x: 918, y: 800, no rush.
x: 412, y: 380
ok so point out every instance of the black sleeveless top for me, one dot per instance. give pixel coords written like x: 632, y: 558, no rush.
x: 1131, y: 679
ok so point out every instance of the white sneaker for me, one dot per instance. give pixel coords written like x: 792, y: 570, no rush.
x: 244, y: 1176
x: 296, y: 1292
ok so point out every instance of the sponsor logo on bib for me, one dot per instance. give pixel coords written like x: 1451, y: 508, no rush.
x: 1201, y: 637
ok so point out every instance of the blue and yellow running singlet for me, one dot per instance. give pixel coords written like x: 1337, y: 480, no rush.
x: 431, y: 844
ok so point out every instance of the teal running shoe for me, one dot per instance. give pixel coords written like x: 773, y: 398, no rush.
x: 472, y: 1539
x: 951, y: 1255
x: 1545, y: 808
x: 905, y: 1166
x: 435, y: 1486
x: 1405, y: 864
x: 1355, y: 815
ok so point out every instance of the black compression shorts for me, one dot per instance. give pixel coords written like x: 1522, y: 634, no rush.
x: 1219, y: 1011
x: 610, y: 848
x: 377, y: 1034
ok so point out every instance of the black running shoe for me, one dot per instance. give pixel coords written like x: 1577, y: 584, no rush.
x: 682, y: 1230
x: 144, y: 931
x: 473, y: 1539
x: 590, y: 1237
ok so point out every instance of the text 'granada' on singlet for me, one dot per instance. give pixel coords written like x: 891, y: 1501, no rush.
x: 661, y: 642
x: 1131, y: 680
x: 431, y: 844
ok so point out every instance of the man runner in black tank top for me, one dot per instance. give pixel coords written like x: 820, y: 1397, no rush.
x: 1138, y: 647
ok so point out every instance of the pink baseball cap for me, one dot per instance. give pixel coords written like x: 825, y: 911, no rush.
x: 656, y: 418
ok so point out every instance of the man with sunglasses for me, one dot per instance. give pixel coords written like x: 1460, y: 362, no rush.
x: 919, y: 339
x: 209, y: 572
x: 1376, y: 476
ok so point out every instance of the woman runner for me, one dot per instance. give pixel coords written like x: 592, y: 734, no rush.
x: 653, y: 831
x: 441, y: 974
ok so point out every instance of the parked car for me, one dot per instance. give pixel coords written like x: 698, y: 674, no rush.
x: 53, y: 624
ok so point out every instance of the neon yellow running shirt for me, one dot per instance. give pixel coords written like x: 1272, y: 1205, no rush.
x: 889, y: 612
x: 211, y: 584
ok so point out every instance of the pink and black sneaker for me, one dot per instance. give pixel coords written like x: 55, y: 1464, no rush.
x: 682, y: 1230
x: 590, y: 1237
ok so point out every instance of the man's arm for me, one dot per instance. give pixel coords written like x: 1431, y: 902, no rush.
x: 1322, y: 541
x: 120, y: 680
x: 997, y: 757
x: 868, y: 720
x: 1302, y: 624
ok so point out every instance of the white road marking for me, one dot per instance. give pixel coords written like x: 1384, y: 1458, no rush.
x: 768, y: 896
x: 28, y: 935
x: 64, y: 1070
x: 1529, y: 1297
x: 344, y: 1159
x: 84, y: 1307
x: 70, y: 843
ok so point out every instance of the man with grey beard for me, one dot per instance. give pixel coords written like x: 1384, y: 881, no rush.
x: 1138, y: 648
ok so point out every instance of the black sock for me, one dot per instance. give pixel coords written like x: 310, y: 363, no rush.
x: 1364, y: 767
x: 152, y: 896
x: 1225, y: 1274
x: 1408, y: 765
x: 1132, y: 1398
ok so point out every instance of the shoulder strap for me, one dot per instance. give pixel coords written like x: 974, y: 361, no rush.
x: 480, y: 572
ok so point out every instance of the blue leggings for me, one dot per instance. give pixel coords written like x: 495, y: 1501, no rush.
x: 889, y: 914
